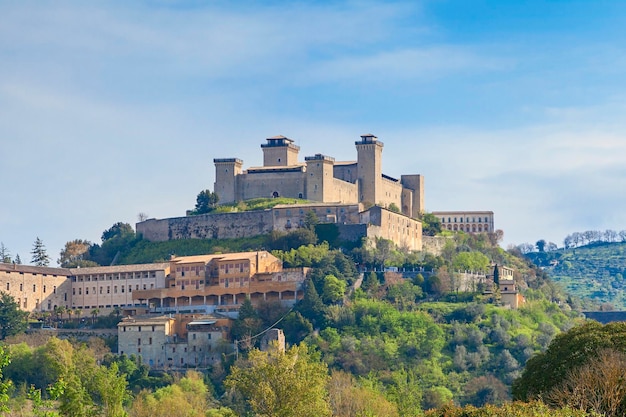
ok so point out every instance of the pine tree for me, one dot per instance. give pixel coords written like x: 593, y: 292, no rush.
x: 40, y: 255
x: 5, y: 255
x: 311, y: 306
x: 17, y: 259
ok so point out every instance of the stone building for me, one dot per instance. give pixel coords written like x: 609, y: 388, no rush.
x: 221, y: 282
x: 109, y: 287
x: 319, y: 178
x: 192, y: 283
x: 466, y: 221
x: 37, y: 288
x: 175, y: 341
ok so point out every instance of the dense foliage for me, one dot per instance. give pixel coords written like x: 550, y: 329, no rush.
x: 594, y: 272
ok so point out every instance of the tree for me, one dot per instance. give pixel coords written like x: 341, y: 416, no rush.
x: 370, y: 283
x: 5, y: 255
x: 597, y: 386
x: 12, y: 319
x: 311, y: 306
x: 282, y: 384
x: 311, y: 220
x: 4, y: 385
x: 247, y: 324
x: 541, y: 244
x: 334, y: 289
x: 351, y: 399
x: 74, y: 254
x: 120, y: 230
x: 470, y: 261
x: 566, y: 352
x: 94, y: 314
x: 40, y: 255
x: 431, y: 225
x: 206, y: 201
x: 17, y: 259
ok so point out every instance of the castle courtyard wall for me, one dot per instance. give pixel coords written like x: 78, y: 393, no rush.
x: 265, y: 183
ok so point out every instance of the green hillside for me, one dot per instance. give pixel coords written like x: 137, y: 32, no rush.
x: 594, y: 273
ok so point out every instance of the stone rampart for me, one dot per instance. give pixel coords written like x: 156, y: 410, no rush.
x: 433, y: 244
x: 208, y: 226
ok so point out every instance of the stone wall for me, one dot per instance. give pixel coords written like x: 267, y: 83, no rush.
x: 344, y: 192
x: 265, y: 183
x: 208, y: 226
x: 433, y: 244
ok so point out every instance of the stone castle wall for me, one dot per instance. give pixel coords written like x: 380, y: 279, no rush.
x: 208, y: 226
x: 344, y: 192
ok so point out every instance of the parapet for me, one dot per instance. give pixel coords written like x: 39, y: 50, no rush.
x: 228, y: 161
x: 368, y: 139
x: 319, y: 157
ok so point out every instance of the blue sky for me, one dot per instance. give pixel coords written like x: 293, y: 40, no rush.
x: 108, y: 109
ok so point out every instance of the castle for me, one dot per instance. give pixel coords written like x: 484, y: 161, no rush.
x: 355, y: 195
x: 320, y: 178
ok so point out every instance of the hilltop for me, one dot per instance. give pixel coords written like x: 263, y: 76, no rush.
x: 594, y: 273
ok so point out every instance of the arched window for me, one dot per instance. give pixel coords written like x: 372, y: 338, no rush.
x: 275, y: 194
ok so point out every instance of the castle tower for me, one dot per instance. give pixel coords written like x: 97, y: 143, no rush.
x: 226, y: 172
x: 319, y: 177
x: 416, y: 184
x: 369, y: 169
x: 280, y: 151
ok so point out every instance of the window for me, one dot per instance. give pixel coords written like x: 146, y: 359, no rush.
x: 193, y: 336
x: 115, y: 289
x: 108, y: 289
x: 100, y: 290
x: 152, y: 328
x: 21, y: 289
x: 149, y: 340
x: 80, y: 291
x: 44, y: 288
x: 8, y: 286
x: 54, y: 289
x: 86, y: 290
x: 34, y: 288
x: 139, y: 342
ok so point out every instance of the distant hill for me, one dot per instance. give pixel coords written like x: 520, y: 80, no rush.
x: 594, y: 272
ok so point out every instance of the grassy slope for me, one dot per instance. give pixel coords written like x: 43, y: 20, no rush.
x: 593, y: 272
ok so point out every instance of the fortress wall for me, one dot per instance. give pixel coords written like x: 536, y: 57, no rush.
x: 286, y: 218
x: 434, y: 244
x: 404, y: 231
x: 263, y: 185
x: 346, y: 172
x: 221, y: 225
x: 154, y: 230
x: 392, y: 193
x: 208, y: 226
x: 352, y: 232
x: 344, y: 192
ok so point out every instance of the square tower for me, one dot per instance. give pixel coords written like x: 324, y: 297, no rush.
x: 226, y: 172
x: 279, y: 151
x: 369, y: 169
x: 319, y: 177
